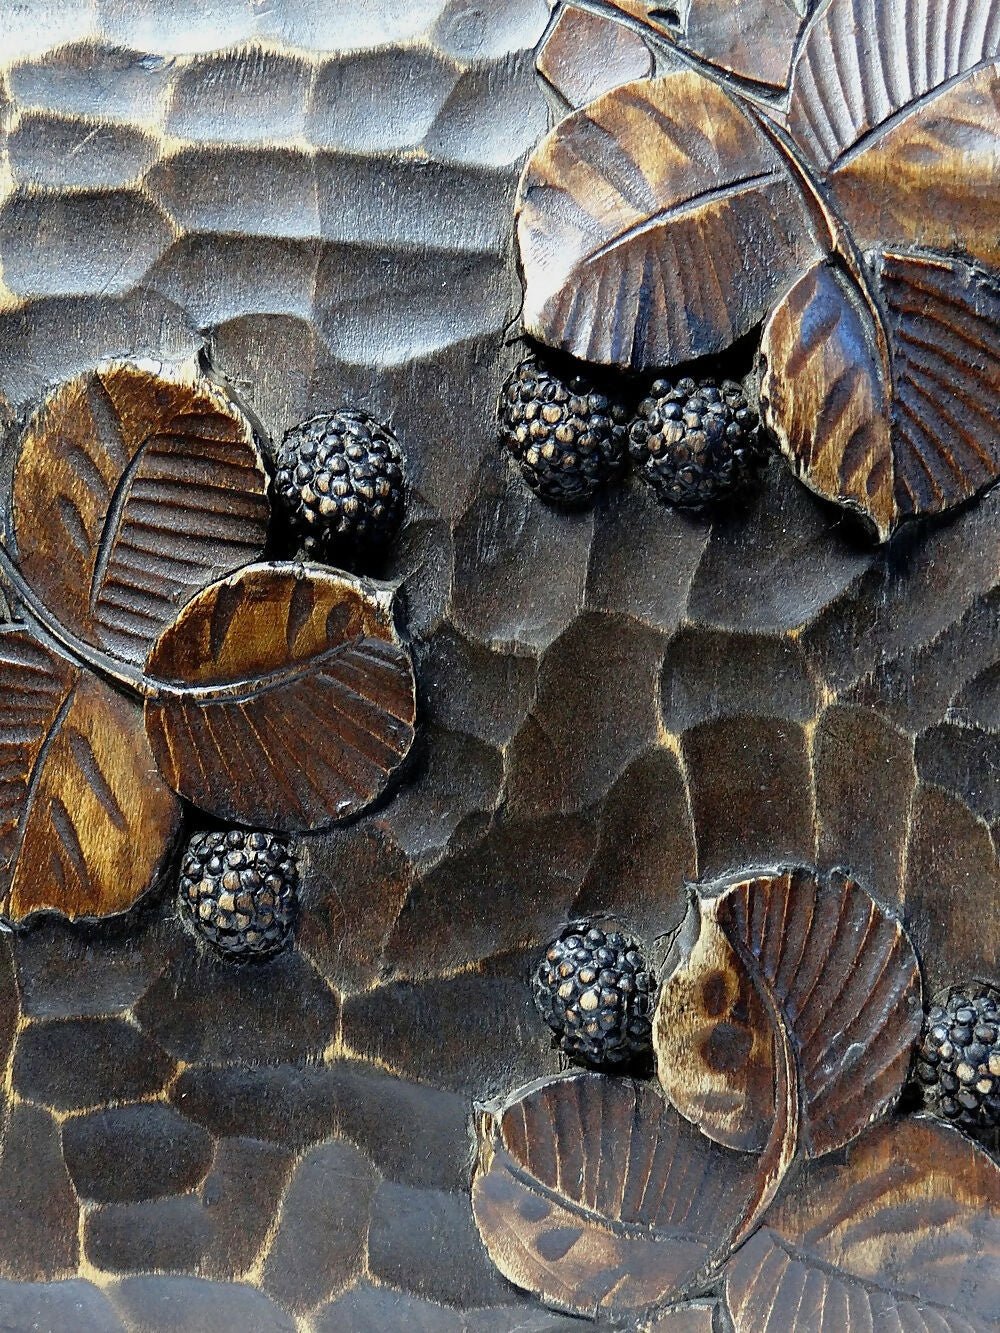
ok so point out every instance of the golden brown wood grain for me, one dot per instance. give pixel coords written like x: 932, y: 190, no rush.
x: 657, y: 224
x: 86, y: 821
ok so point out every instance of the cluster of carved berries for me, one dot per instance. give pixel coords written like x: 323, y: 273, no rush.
x: 567, y: 436
x: 339, y: 478
x: 958, y: 1062
x: 240, y: 891
x: 596, y: 992
x: 694, y: 442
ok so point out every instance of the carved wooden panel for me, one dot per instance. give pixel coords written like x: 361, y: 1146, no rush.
x: 451, y: 882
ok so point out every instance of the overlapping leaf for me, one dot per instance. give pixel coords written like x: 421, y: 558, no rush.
x: 292, y: 699
x: 789, y: 962
x: 289, y: 699
x: 86, y: 822
x: 594, y: 1194
x: 636, y: 213
x: 903, y: 1234
x: 671, y: 215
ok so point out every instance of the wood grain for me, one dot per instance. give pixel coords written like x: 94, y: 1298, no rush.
x: 294, y: 700
x: 86, y: 822
x: 134, y: 486
x: 586, y: 54
x: 754, y: 39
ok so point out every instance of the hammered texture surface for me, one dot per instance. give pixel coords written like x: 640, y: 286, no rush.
x: 612, y: 702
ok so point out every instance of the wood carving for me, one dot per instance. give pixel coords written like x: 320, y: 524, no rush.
x: 783, y: 1033
x: 135, y: 488
x: 299, y: 1059
x: 597, y: 1195
x: 669, y: 217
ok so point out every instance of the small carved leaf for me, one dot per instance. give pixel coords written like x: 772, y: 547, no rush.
x: 836, y: 979
x: 586, y: 54
x: 85, y: 821
x: 904, y: 1234
x: 753, y: 39
x: 595, y: 1195
x: 134, y: 487
x: 892, y: 441
x: 636, y: 215
x: 288, y: 701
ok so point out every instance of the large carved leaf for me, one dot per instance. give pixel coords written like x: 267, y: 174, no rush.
x: 913, y: 434
x: 904, y: 1234
x: 283, y: 697
x: 754, y: 39
x: 135, y: 485
x: 594, y: 1194
x: 657, y: 224
x: 85, y: 820
x: 788, y: 962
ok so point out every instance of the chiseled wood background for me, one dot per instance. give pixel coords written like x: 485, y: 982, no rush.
x: 612, y: 703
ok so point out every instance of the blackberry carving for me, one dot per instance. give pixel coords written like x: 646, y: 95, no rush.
x: 596, y: 992
x: 568, y: 436
x: 339, y: 477
x: 695, y: 442
x: 239, y: 891
x: 958, y: 1062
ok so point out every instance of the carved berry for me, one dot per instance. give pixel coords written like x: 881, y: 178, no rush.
x: 596, y: 992
x: 239, y: 891
x: 339, y: 478
x: 567, y: 435
x: 694, y: 443
x: 958, y: 1061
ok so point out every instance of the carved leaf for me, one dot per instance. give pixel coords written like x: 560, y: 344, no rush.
x: 753, y: 39
x: 905, y: 1235
x: 134, y: 487
x: 836, y: 980
x: 292, y: 698
x: 595, y: 1195
x: 636, y: 214
x: 586, y: 54
x: 85, y: 821
x: 914, y: 436
x: 866, y: 66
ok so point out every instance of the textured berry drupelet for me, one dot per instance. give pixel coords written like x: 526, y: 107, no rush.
x: 596, y: 993
x: 240, y: 891
x: 568, y: 437
x: 958, y: 1061
x: 694, y: 442
x: 339, y: 477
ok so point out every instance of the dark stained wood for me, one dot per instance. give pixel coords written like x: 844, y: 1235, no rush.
x: 318, y: 201
x: 836, y: 975
x: 904, y: 1233
x: 636, y: 213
